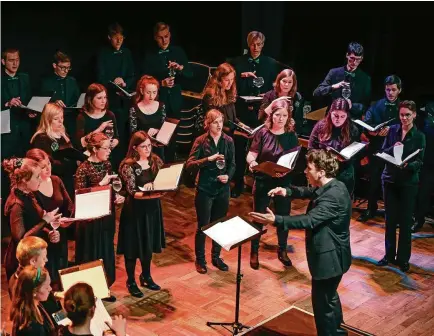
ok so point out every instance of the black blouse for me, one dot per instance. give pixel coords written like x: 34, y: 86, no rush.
x: 87, y: 124
x: 140, y: 121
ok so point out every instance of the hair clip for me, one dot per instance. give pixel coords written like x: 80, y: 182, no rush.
x: 38, y: 276
x: 18, y: 162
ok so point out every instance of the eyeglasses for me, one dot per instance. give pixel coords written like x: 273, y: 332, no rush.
x: 355, y: 59
x: 64, y: 68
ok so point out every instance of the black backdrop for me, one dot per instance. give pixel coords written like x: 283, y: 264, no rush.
x: 310, y: 37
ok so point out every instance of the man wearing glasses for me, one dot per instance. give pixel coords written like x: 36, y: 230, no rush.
x: 350, y: 76
x: 62, y: 89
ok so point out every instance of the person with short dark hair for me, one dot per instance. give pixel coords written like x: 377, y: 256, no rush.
x: 62, y: 88
x: 400, y: 185
x: 115, y: 64
x: 212, y: 192
x: 382, y: 111
x: 349, y: 76
x: 327, y: 225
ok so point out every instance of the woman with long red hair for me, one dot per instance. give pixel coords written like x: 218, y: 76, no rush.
x: 147, y: 113
x: 337, y: 131
x: 141, y: 230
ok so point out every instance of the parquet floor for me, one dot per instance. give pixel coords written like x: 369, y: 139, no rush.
x: 382, y: 301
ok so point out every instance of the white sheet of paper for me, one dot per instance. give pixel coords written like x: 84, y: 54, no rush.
x: 350, y: 150
x: 92, y: 205
x: 80, y: 101
x: 230, y: 232
x: 165, y: 133
x: 411, y: 155
x: 167, y: 178
x: 287, y: 160
x: 251, y: 98
x: 257, y: 128
x: 397, y: 153
x: 387, y: 157
x: 5, y: 121
x: 37, y: 103
x: 370, y: 128
x: 93, y: 276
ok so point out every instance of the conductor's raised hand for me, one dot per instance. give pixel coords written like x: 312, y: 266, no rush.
x: 216, y: 156
x: 263, y: 218
x: 279, y: 191
x: 107, y: 178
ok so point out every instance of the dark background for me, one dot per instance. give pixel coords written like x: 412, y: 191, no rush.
x: 308, y: 36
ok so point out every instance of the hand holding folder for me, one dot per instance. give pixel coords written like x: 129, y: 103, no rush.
x: 284, y: 165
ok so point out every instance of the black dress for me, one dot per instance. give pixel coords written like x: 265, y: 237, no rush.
x: 35, y: 328
x: 140, y: 121
x: 57, y: 253
x: 141, y: 230
x: 94, y: 238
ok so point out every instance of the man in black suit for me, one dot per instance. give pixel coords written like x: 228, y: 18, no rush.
x: 327, y: 225
x: 348, y: 76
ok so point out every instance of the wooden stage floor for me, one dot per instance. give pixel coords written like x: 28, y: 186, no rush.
x: 381, y: 301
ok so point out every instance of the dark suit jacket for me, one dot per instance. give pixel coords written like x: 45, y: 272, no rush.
x: 327, y: 225
x: 360, y: 89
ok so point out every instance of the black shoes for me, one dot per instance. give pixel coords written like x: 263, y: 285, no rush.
x: 405, y: 267
x: 148, y: 283
x: 235, y: 193
x: 384, y: 261
x: 418, y: 224
x: 366, y: 215
x: 134, y: 290
x: 200, y: 267
x: 218, y: 262
x: 111, y: 298
x: 283, y: 257
x: 254, y: 260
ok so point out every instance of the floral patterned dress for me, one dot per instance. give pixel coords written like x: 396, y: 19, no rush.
x: 94, y: 239
x: 141, y: 230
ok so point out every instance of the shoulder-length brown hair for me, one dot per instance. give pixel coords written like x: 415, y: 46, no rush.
x: 91, y: 92
x: 339, y: 104
x: 283, y: 74
x: 24, y: 309
x: 220, y: 96
x: 141, y: 84
x: 133, y: 156
x: 277, y: 105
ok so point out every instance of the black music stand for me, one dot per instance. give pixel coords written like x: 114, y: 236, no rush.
x: 236, y: 325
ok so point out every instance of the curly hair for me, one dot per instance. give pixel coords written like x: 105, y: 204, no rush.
x: 220, y: 96
x: 323, y: 160
x: 19, y: 169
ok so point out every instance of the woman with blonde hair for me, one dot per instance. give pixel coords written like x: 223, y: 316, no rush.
x: 221, y: 94
x: 27, y: 314
x: 25, y: 216
x: 51, y: 137
x: 272, y: 141
x: 213, y: 155
x: 285, y: 86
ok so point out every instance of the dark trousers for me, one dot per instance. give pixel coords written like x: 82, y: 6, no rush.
x: 327, y: 307
x: 376, y: 167
x: 282, y: 207
x: 240, y: 142
x: 426, y: 187
x: 209, y: 209
x: 399, y: 202
x: 346, y: 176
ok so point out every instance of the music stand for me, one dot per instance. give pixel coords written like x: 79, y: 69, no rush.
x: 240, y: 239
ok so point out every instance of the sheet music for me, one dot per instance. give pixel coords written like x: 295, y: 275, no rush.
x: 92, y: 204
x: 167, y: 178
x: 411, y: 155
x: 370, y: 128
x: 93, y: 276
x: 165, y: 133
x: 80, y: 102
x: 126, y: 93
x: 257, y: 128
x: 395, y: 160
x: 251, y: 98
x: 388, y: 158
x: 288, y: 160
x: 37, y: 103
x: 97, y: 324
x: 230, y: 232
x: 397, y: 153
x: 352, y: 149
x: 5, y: 121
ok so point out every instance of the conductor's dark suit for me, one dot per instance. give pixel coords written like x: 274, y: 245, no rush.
x: 327, y: 225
